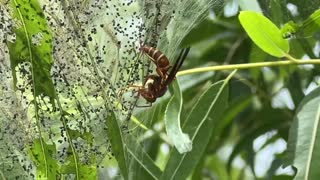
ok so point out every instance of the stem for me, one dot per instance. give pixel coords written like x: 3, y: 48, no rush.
x: 35, y: 102
x: 247, y: 66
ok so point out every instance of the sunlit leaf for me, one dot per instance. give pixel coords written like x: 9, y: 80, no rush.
x: 41, y: 155
x: 33, y: 44
x: 31, y: 52
x: 81, y: 171
x: 264, y: 33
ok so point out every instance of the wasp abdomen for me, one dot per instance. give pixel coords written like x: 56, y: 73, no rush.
x: 159, y: 58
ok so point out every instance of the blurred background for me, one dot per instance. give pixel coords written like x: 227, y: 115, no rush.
x: 251, y: 139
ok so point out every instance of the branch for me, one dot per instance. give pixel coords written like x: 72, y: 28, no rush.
x: 247, y: 66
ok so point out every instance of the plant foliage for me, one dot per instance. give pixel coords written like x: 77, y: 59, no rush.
x: 70, y: 73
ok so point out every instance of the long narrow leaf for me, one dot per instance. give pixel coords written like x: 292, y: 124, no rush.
x: 142, y: 158
x: 304, y: 144
x: 41, y: 154
x: 116, y: 140
x: 33, y: 44
x: 199, y: 125
x: 312, y: 24
x: 33, y: 47
x: 172, y: 120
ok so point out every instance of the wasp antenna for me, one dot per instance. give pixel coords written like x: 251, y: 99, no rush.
x: 182, y: 56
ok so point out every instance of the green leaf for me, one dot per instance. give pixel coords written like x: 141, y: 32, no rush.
x: 74, y: 165
x: 264, y: 33
x: 86, y: 171
x: 116, y: 140
x: 197, y: 173
x: 237, y: 106
x: 303, y: 144
x: 42, y: 156
x: 199, y: 125
x: 141, y: 158
x: 33, y: 44
x: 312, y: 24
x: 194, y: 11
x: 172, y: 121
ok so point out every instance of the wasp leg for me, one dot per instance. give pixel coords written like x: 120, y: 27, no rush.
x: 124, y: 89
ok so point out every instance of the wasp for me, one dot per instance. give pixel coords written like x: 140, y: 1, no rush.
x: 159, y: 59
x: 156, y: 85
